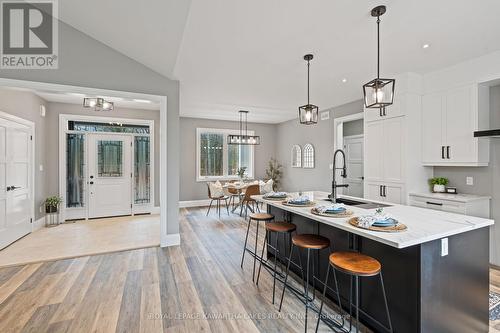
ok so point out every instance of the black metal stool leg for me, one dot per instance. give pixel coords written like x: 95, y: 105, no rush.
x: 227, y: 206
x: 261, y: 256
x: 322, y: 300
x: 302, y: 272
x: 307, y: 288
x: 276, y: 251
x: 356, y: 280
x: 385, y: 301
x: 245, y: 246
x: 286, y: 276
x: 209, y: 206
x: 255, y: 251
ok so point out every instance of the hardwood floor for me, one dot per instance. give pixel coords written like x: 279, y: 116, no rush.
x: 84, y: 238
x: 198, y: 286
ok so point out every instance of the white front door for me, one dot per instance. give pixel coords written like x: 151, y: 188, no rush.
x: 353, y: 148
x: 110, y: 175
x: 16, y: 200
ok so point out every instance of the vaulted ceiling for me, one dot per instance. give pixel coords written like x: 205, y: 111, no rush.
x: 233, y: 54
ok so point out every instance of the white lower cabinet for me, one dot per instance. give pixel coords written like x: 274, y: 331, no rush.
x: 472, y: 205
x: 388, y: 192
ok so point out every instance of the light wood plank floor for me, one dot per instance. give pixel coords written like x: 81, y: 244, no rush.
x: 151, y: 289
x: 84, y: 238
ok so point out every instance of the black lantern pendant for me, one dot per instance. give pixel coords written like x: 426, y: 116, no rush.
x: 308, y: 114
x: 243, y: 139
x: 379, y: 93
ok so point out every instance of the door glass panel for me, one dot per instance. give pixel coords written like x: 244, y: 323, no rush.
x: 109, y: 158
x: 75, y: 167
x: 142, y: 169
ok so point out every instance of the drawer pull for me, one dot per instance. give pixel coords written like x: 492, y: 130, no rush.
x: 434, y: 203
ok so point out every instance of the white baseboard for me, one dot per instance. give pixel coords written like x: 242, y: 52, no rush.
x: 155, y: 210
x: 171, y: 240
x: 38, y: 224
x: 194, y: 203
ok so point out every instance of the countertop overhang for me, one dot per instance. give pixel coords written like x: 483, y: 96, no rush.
x: 424, y: 225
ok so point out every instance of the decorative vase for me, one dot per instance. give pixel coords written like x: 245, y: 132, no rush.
x: 439, y: 188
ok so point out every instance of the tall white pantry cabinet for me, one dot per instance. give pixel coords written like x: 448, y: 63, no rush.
x: 393, y: 138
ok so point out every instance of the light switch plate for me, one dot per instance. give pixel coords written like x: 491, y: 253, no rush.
x: 469, y: 180
x: 444, y: 247
x: 330, y: 166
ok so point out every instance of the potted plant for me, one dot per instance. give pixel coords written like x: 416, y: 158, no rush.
x: 241, y: 172
x: 52, y: 204
x: 438, y: 184
x: 274, y: 171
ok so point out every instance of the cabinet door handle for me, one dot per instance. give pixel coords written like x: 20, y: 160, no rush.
x: 442, y: 152
x: 380, y: 112
x: 385, y: 194
x: 434, y: 203
x: 448, y: 152
x: 380, y: 190
x: 384, y: 112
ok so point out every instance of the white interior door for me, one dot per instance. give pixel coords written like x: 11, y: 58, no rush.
x: 110, y: 175
x: 16, y: 196
x: 353, y: 148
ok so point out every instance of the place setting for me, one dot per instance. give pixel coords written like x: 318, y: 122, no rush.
x: 275, y: 196
x: 379, y: 221
x: 335, y: 210
x: 300, y: 201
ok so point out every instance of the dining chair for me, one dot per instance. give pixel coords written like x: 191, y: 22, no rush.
x: 218, y: 200
x: 247, y: 199
x: 233, y: 193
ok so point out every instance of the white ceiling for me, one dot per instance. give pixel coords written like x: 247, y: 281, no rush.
x: 236, y: 54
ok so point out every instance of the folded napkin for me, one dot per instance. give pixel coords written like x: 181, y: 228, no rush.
x: 275, y: 195
x: 300, y: 200
x: 336, y: 208
x: 367, y: 221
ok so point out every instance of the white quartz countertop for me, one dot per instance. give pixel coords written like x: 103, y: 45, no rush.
x: 423, y: 224
x: 460, y: 197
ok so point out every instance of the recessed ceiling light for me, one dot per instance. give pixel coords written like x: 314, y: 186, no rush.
x: 142, y: 100
x: 425, y: 46
x: 76, y: 94
x: 344, y: 80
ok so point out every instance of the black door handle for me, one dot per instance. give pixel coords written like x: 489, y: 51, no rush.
x: 384, y: 191
x: 91, y: 183
x: 91, y: 177
x: 380, y: 190
x: 448, y: 152
x: 434, y: 203
x: 442, y: 152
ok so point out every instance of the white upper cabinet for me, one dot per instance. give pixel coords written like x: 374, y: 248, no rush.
x: 449, y: 119
x: 395, y: 110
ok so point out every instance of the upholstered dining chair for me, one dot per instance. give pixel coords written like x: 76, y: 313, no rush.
x: 248, y: 202
x: 233, y: 193
x: 218, y: 199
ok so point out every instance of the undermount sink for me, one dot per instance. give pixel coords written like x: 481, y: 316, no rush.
x: 360, y: 204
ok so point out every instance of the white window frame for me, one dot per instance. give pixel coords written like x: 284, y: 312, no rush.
x: 225, y: 176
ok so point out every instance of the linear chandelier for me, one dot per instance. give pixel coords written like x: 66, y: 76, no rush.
x: 379, y: 93
x: 243, y: 138
x: 98, y: 103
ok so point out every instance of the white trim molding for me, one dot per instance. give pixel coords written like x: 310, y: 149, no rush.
x: 338, y: 128
x: 194, y: 203
x: 171, y: 240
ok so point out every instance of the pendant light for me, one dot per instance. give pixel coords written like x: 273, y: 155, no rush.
x: 308, y: 114
x: 243, y: 138
x: 379, y: 92
x: 98, y: 104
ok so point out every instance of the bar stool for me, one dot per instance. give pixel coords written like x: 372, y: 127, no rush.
x: 308, y: 242
x: 356, y: 265
x: 279, y: 228
x: 258, y: 217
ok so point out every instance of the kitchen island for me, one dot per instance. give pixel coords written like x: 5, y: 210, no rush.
x: 436, y: 272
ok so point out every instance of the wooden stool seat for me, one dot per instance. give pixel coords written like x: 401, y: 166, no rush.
x: 280, y: 226
x: 310, y: 241
x: 261, y: 216
x: 355, y: 263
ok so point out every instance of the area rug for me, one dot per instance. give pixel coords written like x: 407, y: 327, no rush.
x: 494, y: 306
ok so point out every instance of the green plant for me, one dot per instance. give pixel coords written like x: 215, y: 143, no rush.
x: 53, y: 201
x: 241, y: 172
x: 438, y: 181
x: 274, y: 171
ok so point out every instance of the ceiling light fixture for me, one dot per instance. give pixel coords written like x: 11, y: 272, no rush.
x: 344, y: 80
x: 308, y: 114
x: 98, y: 104
x: 379, y: 92
x: 243, y: 139
x: 426, y: 46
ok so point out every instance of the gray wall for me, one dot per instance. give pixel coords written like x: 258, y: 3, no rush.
x: 85, y: 62
x: 486, y: 179
x: 321, y: 137
x: 190, y: 189
x: 26, y: 105
x: 52, y: 138
x: 354, y: 127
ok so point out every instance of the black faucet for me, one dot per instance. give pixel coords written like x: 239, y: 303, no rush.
x: 343, y: 174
